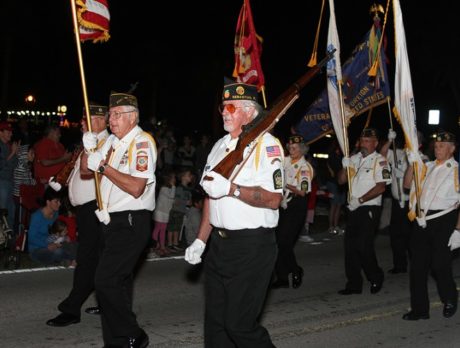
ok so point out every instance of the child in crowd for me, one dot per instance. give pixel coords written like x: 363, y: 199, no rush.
x: 163, y: 206
x: 67, y: 215
x: 193, y: 217
x: 58, y: 235
x: 182, y: 201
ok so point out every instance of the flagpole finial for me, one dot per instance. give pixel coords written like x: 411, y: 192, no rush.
x: 375, y: 9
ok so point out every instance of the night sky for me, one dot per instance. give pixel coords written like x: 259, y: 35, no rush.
x: 179, y: 52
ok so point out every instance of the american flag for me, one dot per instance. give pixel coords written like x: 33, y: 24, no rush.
x: 273, y: 151
x: 93, y: 19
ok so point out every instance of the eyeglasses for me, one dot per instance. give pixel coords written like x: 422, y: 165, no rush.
x: 231, y: 108
x: 117, y: 114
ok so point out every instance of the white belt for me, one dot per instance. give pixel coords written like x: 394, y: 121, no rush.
x: 441, y: 213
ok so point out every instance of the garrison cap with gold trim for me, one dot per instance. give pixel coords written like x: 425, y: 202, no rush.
x: 369, y: 133
x: 239, y: 91
x: 122, y: 99
x: 296, y: 139
x: 97, y: 110
x: 445, y: 137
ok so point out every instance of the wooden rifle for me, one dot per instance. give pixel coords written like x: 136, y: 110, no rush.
x: 264, y: 123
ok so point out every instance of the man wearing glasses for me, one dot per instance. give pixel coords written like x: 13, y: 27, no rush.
x: 126, y: 164
x: 239, y: 217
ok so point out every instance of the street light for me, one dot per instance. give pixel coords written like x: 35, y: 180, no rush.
x: 433, y: 117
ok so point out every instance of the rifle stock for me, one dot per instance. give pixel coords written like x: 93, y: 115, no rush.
x: 264, y: 123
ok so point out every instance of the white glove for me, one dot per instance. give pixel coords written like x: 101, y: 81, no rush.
x: 402, y: 204
x: 391, y: 135
x: 217, y: 187
x: 454, y: 240
x: 89, y: 141
x: 411, y: 157
x: 399, y: 173
x: 54, y: 184
x: 103, y: 216
x: 94, y: 161
x: 194, y: 251
x: 354, y: 203
x: 283, y: 204
x: 421, y: 221
x: 346, y: 162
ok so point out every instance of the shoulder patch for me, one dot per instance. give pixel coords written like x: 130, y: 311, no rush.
x: 273, y: 151
x: 142, y: 162
x: 142, y: 145
x: 386, y: 174
x: 277, y: 179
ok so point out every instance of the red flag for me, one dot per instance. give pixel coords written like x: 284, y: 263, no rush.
x: 248, y: 49
x: 93, y: 19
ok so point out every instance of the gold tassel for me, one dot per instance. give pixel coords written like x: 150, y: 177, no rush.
x: 373, y: 70
x: 312, y: 61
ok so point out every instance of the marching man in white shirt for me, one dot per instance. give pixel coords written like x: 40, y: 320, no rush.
x: 239, y: 219
x: 437, y: 230
x: 126, y: 163
x: 82, y: 195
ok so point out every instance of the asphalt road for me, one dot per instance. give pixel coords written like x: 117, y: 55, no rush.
x: 169, y: 305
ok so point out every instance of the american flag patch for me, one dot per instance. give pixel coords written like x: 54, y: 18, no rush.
x: 273, y: 151
x: 143, y: 145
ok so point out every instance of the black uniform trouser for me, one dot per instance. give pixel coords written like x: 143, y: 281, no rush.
x: 359, y: 247
x: 429, y: 250
x: 124, y: 239
x: 88, y: 250
x: 400, y: 228
x: 238, y: 270
x: 290, y: 223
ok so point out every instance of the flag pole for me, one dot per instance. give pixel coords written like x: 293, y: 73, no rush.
x: 85, y: 95
x: 395, y: 158
x: 345, y: 136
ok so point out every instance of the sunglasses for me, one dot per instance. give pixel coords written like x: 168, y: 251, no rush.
x: 231, y: 108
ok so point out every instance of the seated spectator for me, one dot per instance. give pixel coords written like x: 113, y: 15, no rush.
x: 39, y: 249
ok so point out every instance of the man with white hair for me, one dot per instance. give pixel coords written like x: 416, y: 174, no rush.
x: 437, y: 231
x: 126, y: 163
x: 239, y: 217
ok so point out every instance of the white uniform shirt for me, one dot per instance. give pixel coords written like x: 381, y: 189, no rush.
x: 369, y: 171
x: 82, y: 191
x: 264, y: 168
x: 440, y: 186
x: 135, y: 155
x: 298, y: 174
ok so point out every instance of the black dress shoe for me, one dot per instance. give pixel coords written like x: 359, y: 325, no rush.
x: 397, y: 270
x: 297, y: 278
x: 347, y: 291
x: 93, y: 310
x: 414, y: 316
x: 280, y: 284
x: 376, y: 287
x: 140, y: 341
x: 449, y: 309
x: 63, y: 319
